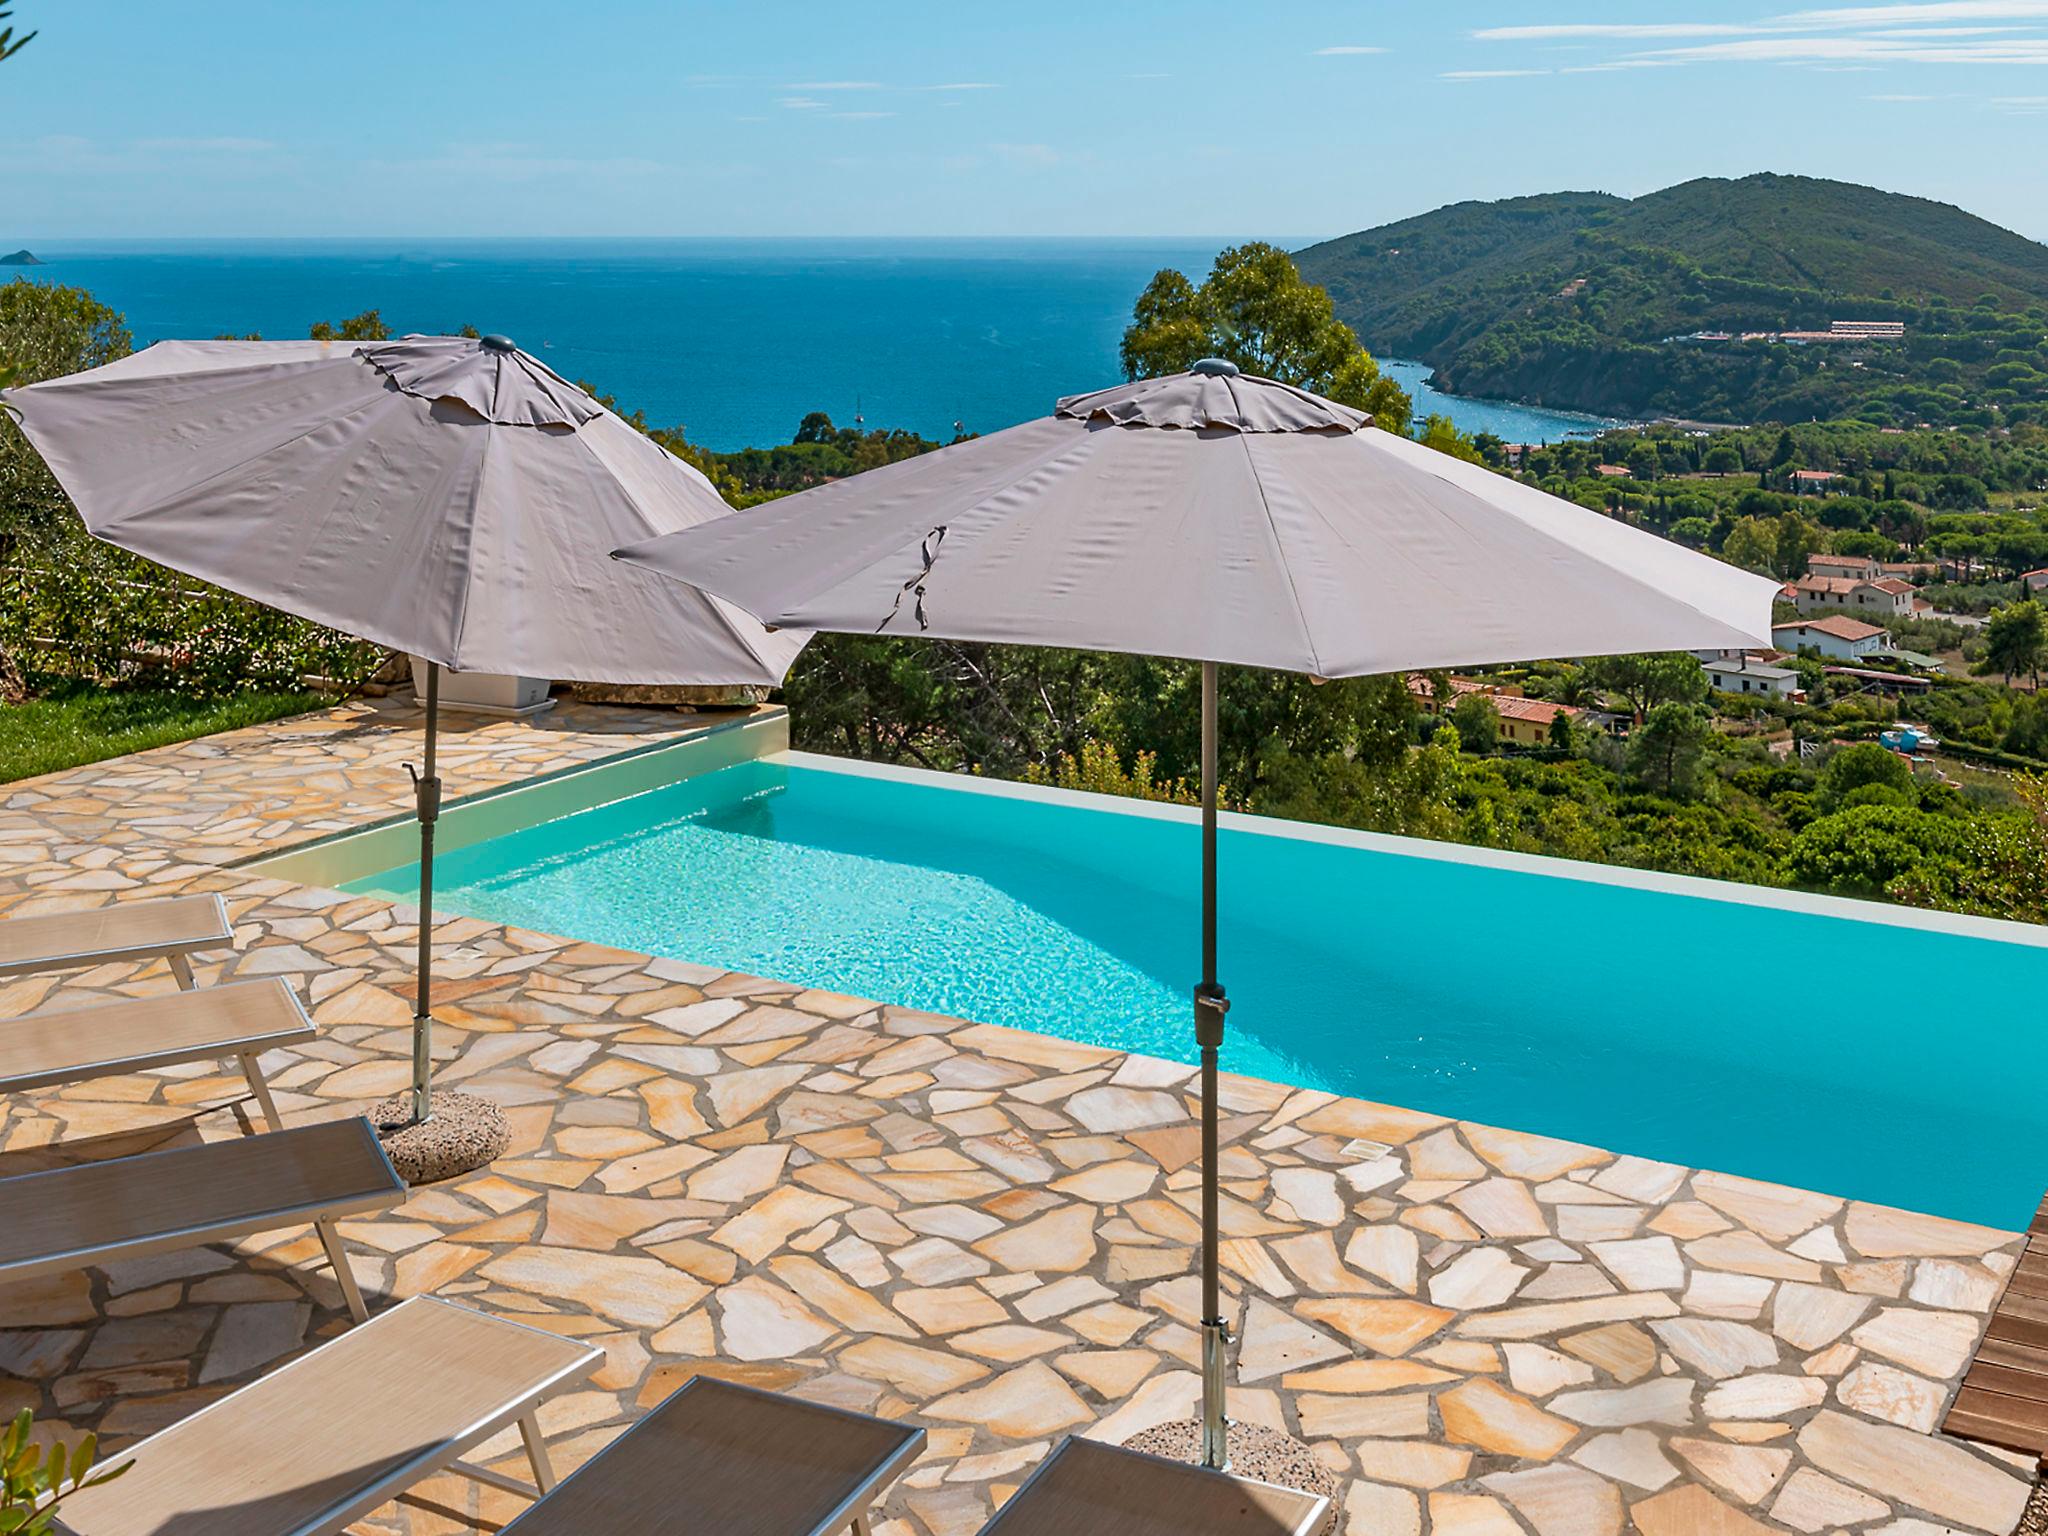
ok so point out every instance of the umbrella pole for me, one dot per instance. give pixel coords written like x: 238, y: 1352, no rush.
x: 1210, y: 1006
x: 426, y: 787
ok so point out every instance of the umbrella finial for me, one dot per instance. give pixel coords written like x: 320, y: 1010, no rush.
x: 498, y: 344
x: 1216, y: 367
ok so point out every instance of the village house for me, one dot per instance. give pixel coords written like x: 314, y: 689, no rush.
x: 2036, y: 581
x: 1746, y: 675
x: 1524, y: 722
x: 1885, y: 598
x: 1836, y: 635
x: 1812, y: 481
x: 1853, y: 567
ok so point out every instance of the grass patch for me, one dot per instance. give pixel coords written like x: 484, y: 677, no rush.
x: 69, y: 723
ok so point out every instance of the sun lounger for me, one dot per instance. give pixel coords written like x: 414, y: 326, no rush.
x: 175, y: 928
x: 317, y: 1444
x: 126, y: 1207
x: 717, y: 1457
x: 240, y: 1022
x: 1108, y: 1491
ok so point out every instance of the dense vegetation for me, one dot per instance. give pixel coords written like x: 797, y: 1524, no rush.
x: 1688, y: 781
x: 1578, y: 300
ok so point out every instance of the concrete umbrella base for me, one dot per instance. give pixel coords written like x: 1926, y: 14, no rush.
x: 462, y: 1133
x: 1256, y: 1452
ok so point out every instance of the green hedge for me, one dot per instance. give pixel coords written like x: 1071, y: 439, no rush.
x: 75, y: 607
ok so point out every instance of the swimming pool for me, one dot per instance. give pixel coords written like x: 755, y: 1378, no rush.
x: 1832, y: 1045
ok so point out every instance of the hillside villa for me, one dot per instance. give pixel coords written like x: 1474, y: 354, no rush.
x: 1837, y: 636
x: 1524, y: 722
x: 1748, y: 674
x: 1886, y: 597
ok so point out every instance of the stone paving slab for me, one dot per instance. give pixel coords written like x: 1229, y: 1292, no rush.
x: 992, y: 1232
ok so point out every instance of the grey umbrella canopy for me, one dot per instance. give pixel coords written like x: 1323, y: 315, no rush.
x: 1220, y: 518
x: 442, y: 495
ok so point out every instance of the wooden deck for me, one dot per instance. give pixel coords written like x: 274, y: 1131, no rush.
x: 2004, y: 1397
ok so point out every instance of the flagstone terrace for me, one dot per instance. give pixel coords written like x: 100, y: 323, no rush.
x: 1481, y: 1332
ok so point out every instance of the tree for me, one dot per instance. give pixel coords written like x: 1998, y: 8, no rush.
x: 1797, y: 540
x: 368, y: 326
x: 1859, y: 767
x: 46, y: 331
x: 1874, y: 850
x: 1722, y: 459
x: 1255, y: 310
x: 1752, y: 544
x: 1441, y: 433
x: 1477, y: 722
x: 1665, y: 752
x: 2015, y: 639
x: 1647, y: 679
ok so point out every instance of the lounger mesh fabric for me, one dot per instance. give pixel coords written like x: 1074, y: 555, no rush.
x: 717, y: 1457
x: 339, y: 1431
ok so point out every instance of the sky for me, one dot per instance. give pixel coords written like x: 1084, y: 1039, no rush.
x: 133, y: 119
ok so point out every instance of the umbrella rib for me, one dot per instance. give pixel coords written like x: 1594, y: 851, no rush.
x: 1615, y: 572
x: 461, y: 624
x: 735, y: 619
x: 1280, y: 549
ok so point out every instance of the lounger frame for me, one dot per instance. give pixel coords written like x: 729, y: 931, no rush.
x: 446, y: 1455
x: 178, y: 952
x: 294, y: 1028
x: 321, y: 1217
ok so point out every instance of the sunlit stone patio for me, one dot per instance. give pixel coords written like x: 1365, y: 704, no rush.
x: 1481, y: 1332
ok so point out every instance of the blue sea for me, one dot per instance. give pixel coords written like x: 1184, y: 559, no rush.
x: 734, y: 340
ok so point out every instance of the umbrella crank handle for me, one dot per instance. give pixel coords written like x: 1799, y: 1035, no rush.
x: 426, y: 795
x: 1210, y: 1007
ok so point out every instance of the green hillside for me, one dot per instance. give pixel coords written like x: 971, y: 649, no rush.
x: 1579, y: 300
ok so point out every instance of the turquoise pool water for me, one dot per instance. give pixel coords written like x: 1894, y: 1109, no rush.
x: 1861, y: 1058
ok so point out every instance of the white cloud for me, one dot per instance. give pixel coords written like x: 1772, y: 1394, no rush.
x: 801, y: 103
x: 222, y: 146
x: 1033, y: 155
x: 1337, y: 49
x: 1615, y: 64
x: 1871, y: 50
x: 835, y: 85
x: 962, y: 85
x: 1556, y: 33
x: 1490, y: 74
x: 1903, y: 15
x: 859, y: 117
x: 1971, y: 32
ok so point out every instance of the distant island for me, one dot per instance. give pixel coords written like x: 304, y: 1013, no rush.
x: 21, y: 258
x: 1769, y: 298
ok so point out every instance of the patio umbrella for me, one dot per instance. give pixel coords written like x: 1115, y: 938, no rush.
x: 1218, y: 518
x: 451, y: 497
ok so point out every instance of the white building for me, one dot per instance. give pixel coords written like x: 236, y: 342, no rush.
x: 1837, y: 636
x: 1758, y: 679
x: 1885, y: 598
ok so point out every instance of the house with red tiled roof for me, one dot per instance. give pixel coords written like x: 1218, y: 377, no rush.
x: 1857, y: 567
x: 1885, y: 598
x: 2036, y: 581
x: 1836, y: 635
x: 1524, y: 722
